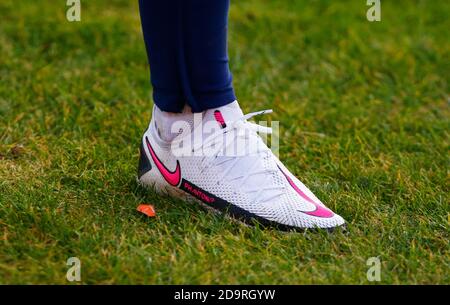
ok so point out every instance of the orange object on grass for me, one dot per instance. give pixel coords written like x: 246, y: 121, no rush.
x: 147, y: 209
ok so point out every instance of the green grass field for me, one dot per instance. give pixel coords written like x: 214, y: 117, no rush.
x: 364, y: 115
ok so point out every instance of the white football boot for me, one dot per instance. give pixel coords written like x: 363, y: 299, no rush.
x: 227, y: 166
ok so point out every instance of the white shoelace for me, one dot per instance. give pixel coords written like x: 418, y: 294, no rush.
x: 239, y: 130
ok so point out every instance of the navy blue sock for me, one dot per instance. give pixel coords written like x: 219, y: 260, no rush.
x: 186, y: 42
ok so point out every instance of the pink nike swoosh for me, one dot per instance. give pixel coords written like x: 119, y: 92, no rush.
x: 173, y: 178
x: 320, y: 210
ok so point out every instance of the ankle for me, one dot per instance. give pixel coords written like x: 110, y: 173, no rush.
x: 166, y: 122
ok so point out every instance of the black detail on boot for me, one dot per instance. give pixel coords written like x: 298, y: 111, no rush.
x: 144, y: 164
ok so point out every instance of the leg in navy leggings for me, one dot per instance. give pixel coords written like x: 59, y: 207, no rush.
x: 186, y: 42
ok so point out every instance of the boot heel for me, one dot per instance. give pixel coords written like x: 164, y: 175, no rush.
x: 144, y: 163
